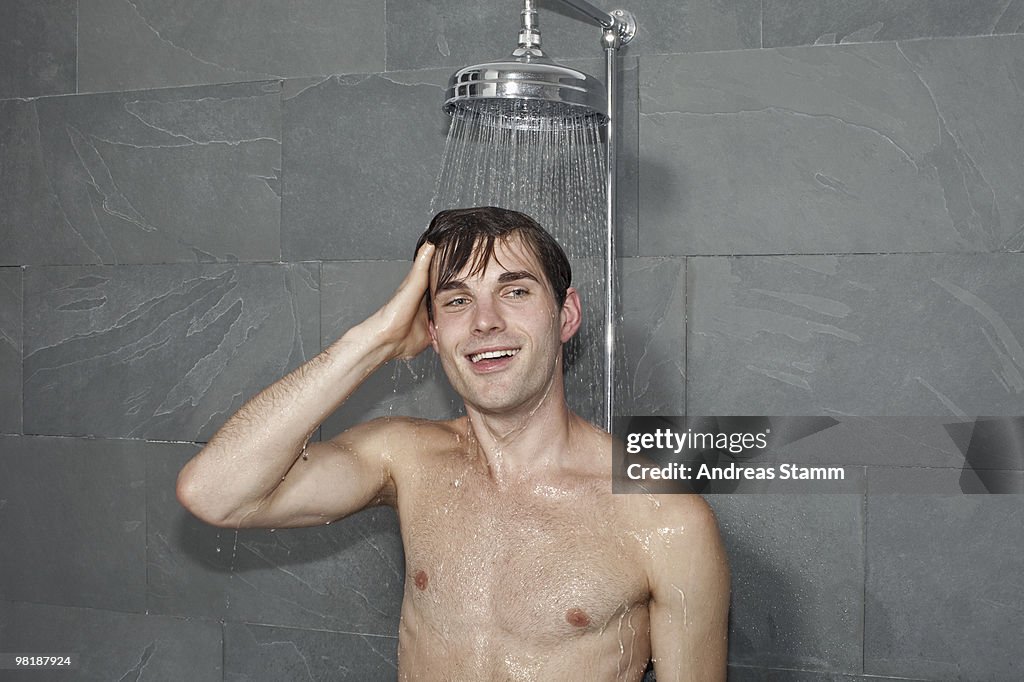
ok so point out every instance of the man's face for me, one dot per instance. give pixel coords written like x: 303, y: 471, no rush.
x: 499, y: 333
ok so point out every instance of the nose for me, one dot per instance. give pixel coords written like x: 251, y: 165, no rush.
x: 487, y: 317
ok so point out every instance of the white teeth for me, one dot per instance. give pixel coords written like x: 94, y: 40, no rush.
x: 493, y: 354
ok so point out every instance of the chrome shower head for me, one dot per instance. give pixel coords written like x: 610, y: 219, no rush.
x: 527, y: 90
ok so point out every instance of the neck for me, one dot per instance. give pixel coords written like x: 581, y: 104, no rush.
x: 536, y: 437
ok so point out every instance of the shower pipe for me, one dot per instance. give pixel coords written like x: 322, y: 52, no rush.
x: 514, y: 93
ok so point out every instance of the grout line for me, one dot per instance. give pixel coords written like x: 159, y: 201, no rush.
x: 103, y: 609
x: 78, y: 29
x: 686, y: 335
x: 864, y: 592
x: 21, y: 350
x: 385, y: 36
x: 146, y: 459
x: 223, y: 651
x: 104, y: 438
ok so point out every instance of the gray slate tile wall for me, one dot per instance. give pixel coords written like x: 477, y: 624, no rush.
x: 37, y: 48
x: 10, y: 350
x: 820, y: 213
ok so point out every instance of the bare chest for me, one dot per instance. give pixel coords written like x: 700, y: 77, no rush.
x: 537, y: 565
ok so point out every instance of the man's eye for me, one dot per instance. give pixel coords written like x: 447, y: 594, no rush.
x: 518, y: 292
x: 456, y: 302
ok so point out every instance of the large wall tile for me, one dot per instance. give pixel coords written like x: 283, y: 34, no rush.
x: 112, y: 646
x: 130, y: 44
x: 944, y: 597
x: 978, y: 90
x: 10, y: 350
x: 362, y: 156
x: 926, y: 334
x: 802, y: 22
x: 254, y: 653
x: 854, y: 149
x: 164, y: 352
x: 652, y: 347
x: 73, y: 513
x: 347, y: 576
x: 37, y: 47
x: 142, y: 177
x: 797, y: 579
x: 427, y: 33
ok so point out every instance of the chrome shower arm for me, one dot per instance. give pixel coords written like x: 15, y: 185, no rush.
x: 620, y: 22
x: 600, y: 16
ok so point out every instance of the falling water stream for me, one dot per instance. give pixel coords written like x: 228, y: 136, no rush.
x: 552, y: 169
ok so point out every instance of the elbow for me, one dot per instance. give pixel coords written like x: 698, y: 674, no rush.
x: 190, y: 496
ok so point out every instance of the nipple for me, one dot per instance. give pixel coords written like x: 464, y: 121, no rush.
x: 421, y: 579
x: 577, y: 618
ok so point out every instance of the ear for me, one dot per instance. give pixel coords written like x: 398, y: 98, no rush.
x: 572, y: 314
x: 433, y: 335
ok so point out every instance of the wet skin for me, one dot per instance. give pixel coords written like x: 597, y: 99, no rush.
x: 520, y: 562
x: 540, y: 576
x: 532, y: 578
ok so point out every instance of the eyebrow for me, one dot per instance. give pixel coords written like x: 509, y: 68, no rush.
x: 515, y: 276
x: 503, y: 278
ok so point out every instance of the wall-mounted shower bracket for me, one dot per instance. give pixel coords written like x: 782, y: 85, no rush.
x: 621, y: 32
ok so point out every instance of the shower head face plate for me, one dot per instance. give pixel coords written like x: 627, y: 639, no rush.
x: 525, y: 93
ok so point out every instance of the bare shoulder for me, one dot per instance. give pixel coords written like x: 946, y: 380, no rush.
x: 681, y: 530
x: 658, y: 511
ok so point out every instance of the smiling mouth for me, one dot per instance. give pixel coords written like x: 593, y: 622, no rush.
x: 493, y: 354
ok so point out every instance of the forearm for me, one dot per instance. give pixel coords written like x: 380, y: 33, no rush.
x: 251, y: 453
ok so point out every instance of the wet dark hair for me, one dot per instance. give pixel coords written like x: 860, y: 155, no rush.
x: 468, y: 235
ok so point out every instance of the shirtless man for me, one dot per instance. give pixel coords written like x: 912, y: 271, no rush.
x: 520, y: 562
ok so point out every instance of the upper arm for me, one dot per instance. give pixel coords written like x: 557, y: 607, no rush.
x: 689, y: 582
x: 331, y: 480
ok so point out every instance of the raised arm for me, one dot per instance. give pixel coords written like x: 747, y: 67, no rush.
x: 689, y: 578
x: 253, y: 473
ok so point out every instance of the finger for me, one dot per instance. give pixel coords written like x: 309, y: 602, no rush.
x: 421, y: 265
x: 424, y: 257
x: 416, y: 280
x: 426, y: 252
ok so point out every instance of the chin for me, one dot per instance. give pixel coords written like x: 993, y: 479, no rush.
x: 508, y: 402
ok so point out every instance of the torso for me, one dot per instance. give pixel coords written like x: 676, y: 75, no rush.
x: 529, y: 580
